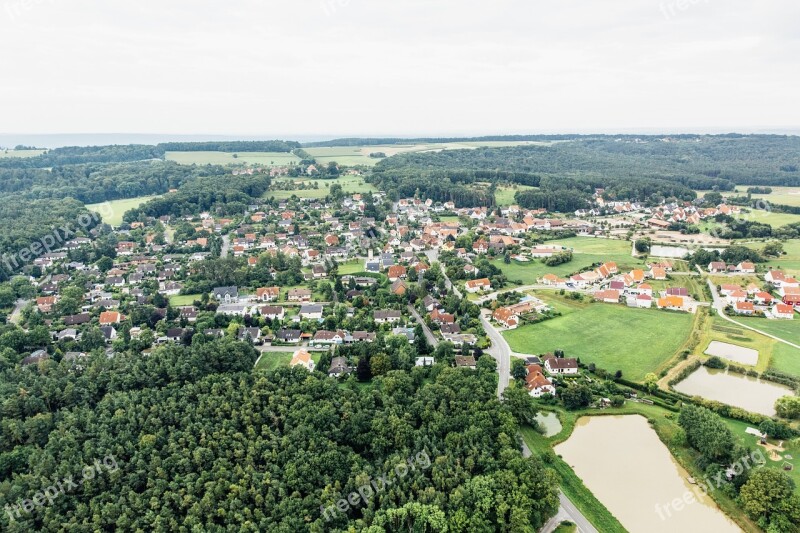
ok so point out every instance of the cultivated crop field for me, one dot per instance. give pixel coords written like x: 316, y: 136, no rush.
x: 614, y: 337
x: 229, y: 158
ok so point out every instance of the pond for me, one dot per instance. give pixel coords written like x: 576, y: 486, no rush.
x: 675, y: 252
x: 622, y: 461
x: 733, y: 352
x: 549, y: 422
x: 733, y: 389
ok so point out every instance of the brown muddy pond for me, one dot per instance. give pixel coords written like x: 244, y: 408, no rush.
x: 733, y: 389
x: 625, y: 465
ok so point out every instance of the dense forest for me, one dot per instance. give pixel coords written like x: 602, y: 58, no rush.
x: 230, y: 146
x: 94, y: 183
x: 40, y: 223
x: 224, y: 194
x: 645, y: 169
x: 202, y: 443
x: 75, y: 155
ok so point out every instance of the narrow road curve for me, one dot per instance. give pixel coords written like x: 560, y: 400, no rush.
x: 432, y: 340
x: 16, y: 314
x: 501, y: 352
x: 719, y: 305
x: 226, y: 244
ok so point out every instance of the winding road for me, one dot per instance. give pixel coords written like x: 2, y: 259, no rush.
x: 501, y: 351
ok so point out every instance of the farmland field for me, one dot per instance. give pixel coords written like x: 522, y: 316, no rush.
x: 586, y: 252
x: 227, y: 158
x: 350, y: 185
x: 21, y: 153
x: 790, y: 262
x: 112, y: 211
x: 614, y: 337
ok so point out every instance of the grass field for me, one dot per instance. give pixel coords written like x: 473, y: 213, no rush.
x: 614, y: 337
x: 183, y: 299
x: 790, y: 262
x: 112, y: 211
x: 586, y: 252
x: 773, y: 218
x: 780, y: 356
x: 226, y: 158
x: 273, y: 360
x: 504, y: 195
x: 351, y: 267
x: 21, y: 153
x: 350, y: 185
x: 779, y: 195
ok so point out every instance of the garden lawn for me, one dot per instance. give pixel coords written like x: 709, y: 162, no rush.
x: 183, y: 299
x: 614, y: 337
x: 273, y: 360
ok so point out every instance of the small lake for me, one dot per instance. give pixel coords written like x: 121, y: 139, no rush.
x: 675, y: 252
x: 734, y: 389
x: 622, y: 461
x: 733, y: 352
x: 549, y: 422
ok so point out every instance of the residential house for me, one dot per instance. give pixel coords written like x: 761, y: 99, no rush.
x: 386, y: 316
x: 273, y: 312
x: 467, y: 361
x: 299, y: 295
x: 310, y: 312
x: 339, y: 367
x: 268, y: 294
x: 782, y: 311
x: 563, y: 365
x: 302, y: 358
x: 226, y: 294
x: 536, y: 382
x: 476, y: 285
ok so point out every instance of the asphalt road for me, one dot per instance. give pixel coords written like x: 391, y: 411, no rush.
x: 17, y: 312
x: 720, y: 303
x: 428, y: 333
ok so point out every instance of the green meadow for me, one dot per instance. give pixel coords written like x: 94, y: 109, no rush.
x: 613, y: 336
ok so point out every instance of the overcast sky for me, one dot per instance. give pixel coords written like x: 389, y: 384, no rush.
x: 400, y: 67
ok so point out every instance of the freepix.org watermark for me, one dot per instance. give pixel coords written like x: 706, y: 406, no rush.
x: 55, y: 239
x: 49, y: 494
x: 666, y: 510
x: 378, y: 485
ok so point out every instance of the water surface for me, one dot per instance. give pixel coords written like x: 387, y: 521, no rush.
x: 623, y: 462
